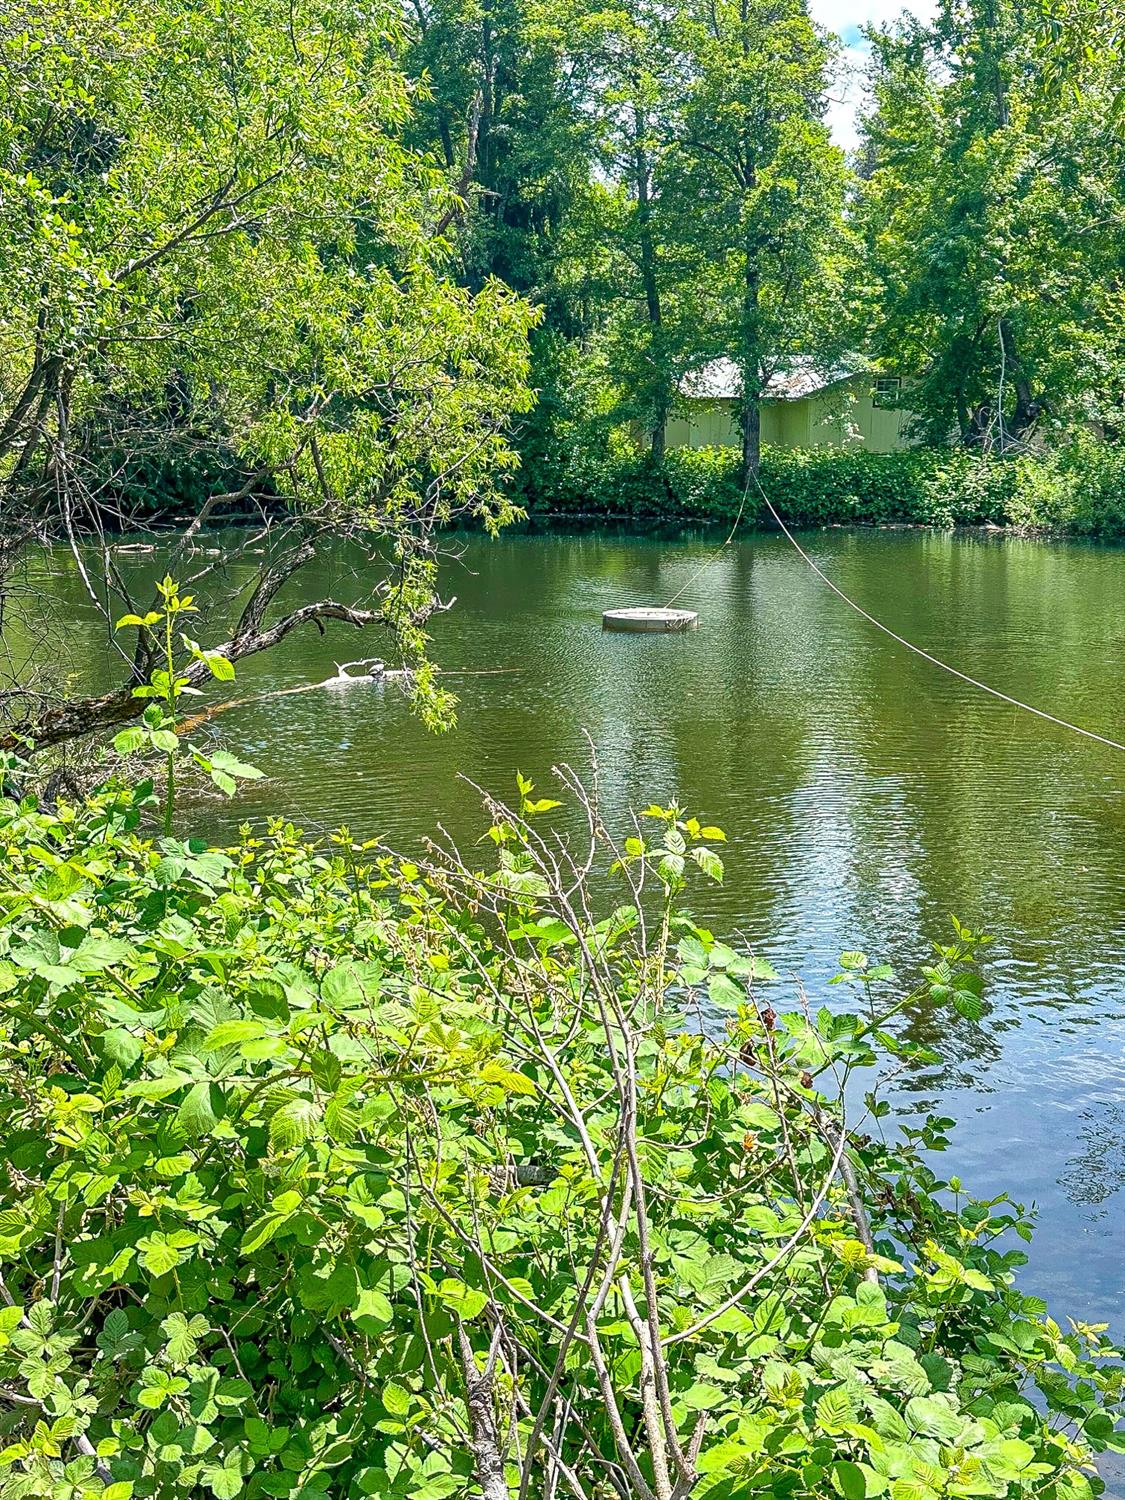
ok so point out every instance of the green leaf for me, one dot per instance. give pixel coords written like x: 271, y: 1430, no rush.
x: 968, y: 1005
x: 396, y: 1399
x: 10, y: 1317
x: 233, y: 1391
x: 224, y: 1483
x: 223, y: 760
x: 745, y: 967
x: 293, y: 1124
x: 467, y: 1302
x: 156, y: 1088
x: 183, y: 1335
x: 835, y: 1409
x: 709, y: 862
x: 692, y: 951
x: 848, y: 1479
x: 121, y: 1046
x: 722, y: 991
x: 933, y: 1416
x: 161, y: 1253
x: 910, y: 1489
x: 341, y: 987
x: 222, y: 669
x: 509, y: 1079
x: 261, y: 1232
x: 128, y: 741
x: 231, y: 1033
x: 201, y: 1110
x: 1015, y: 1454
x: 373, y: 1312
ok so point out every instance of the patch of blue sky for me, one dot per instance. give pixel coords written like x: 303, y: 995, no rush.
x: 847, y: 18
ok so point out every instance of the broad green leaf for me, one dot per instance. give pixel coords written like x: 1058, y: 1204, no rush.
x: 293, y: 1124
x: 341, y: 987
x: 934, y: 1416
x: 225, y: 1483
x: 201, y: 1110
x: 373, y: 1312
x: 467, y: 1302
x: 261, y: 1232
x: 849, y: 1480
x: 231, y: 1033
x: 223, y: 760
x: 222, y: 669
x: 723, y: 992
x: 396, y: 1399
x: 835, y: 1409
x: 161, y: 1253
x: 128, y: 741
x: 509, y: 1079
x: 709, y: 862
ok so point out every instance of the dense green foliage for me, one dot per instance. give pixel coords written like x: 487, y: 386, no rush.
x: 330, y: 1175
x: 223, y: 267
x: 348, y: 269
x: 670, y: 194
x: 211, y: 230
x: 1077, y: 490
x: 195, y: 294
x: 992, y: 208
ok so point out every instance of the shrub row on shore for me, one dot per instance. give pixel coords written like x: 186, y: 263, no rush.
x: 1076, y: 491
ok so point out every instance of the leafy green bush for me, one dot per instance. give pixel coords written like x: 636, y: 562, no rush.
x: 1079, y: 490
x: 327, y: 1174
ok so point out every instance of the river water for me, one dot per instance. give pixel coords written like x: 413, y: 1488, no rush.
x: 866, y: 795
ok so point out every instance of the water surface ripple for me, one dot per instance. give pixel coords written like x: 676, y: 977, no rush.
x: 866, y: 795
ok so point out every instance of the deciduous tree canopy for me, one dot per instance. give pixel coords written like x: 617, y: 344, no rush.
x: 214, y: 240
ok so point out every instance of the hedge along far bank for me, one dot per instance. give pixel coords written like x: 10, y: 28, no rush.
x: 1079, y: 490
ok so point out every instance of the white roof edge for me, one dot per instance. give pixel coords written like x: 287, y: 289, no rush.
x: 721, y: 380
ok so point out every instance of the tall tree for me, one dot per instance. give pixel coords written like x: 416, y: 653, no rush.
x: 756, y: 178
x: 993, y: 207
x: 499, y: 106
x: 630, y: 66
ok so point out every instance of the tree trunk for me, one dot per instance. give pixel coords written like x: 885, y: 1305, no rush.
x: 751, y: 352
x: 751, y: 367
x: 1027, y: 407
x: 751, y: 434
x: 653, y: 309
x: 488, y: 1461
x: 43, y: 378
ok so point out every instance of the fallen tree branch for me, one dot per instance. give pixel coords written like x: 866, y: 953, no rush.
x: 70, y: 720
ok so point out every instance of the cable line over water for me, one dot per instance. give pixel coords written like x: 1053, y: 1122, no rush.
x: 936, y: 661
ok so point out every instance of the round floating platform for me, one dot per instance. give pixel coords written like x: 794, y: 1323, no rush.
x: 644, y: 618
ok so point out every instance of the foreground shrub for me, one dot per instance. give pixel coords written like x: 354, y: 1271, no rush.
x: 1079, y: 490
x: 329, y: 1174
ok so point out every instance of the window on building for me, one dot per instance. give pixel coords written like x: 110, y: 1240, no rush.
x: 887, y: 388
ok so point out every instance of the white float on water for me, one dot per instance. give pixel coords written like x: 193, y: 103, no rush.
x: 646, y: 618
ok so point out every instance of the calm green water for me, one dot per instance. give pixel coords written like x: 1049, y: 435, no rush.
x: 865, y: 794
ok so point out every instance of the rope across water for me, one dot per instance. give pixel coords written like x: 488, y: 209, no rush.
x: 936, y: 661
